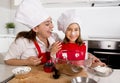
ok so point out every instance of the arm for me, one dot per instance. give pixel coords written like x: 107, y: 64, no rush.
x: 22, y: 62
x: 16, y: 51
x: 96, y: 61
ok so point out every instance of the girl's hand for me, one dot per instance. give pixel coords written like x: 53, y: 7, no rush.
x: 95, y: 61
x: 98, y: 64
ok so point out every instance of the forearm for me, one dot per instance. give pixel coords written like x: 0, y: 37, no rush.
x: 90, y: 55
x: 17, y: 62
x: 96, y: 61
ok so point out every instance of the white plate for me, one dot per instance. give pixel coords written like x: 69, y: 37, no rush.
x: 21, y: 70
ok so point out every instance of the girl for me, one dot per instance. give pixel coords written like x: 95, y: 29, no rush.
x: 72, y: 44
x: 69, y: 24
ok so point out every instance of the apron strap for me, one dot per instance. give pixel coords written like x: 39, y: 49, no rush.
x: 38, y: 48
x: 45, y: 56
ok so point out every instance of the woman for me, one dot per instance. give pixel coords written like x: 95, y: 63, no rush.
x: 32, y: 47
x: 70, y: 25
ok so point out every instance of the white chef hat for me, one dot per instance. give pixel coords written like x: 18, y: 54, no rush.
x: 31, y: 13
x: 66, y: 18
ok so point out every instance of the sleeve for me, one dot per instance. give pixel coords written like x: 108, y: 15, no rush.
x: 15, y: 49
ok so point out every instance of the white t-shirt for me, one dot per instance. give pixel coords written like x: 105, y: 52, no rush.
x: 22, y: 48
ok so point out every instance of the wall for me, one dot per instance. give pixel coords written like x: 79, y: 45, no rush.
x: 4, y: 14
x: 7, y: 14
x: 95, y: 21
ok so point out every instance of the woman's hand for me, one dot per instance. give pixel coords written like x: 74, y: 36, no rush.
x: 33, y: 60
x: 55, y: 47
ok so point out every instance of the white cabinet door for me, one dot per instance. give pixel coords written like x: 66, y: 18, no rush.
x: 5, y: 43
x: 17, y: 2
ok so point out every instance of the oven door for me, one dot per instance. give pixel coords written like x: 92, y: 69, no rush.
x: 110, y: 57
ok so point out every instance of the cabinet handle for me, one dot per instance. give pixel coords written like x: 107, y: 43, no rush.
x: 110, y: 53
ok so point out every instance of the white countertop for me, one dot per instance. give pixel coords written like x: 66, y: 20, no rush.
x: 6, y: 72
x: 113, y: 78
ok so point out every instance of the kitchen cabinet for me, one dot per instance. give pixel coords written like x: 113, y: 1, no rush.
x: 5, y: 41
x: 17, y: 2
x: 76, y: 2
x: 80, y: 1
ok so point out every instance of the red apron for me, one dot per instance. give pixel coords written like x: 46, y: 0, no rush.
x: 45, y: 56
x: 72, y: 51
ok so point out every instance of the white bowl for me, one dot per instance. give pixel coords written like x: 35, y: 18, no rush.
x: 21, y: 70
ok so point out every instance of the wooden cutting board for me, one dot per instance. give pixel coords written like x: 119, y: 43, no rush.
x: 37, y: 75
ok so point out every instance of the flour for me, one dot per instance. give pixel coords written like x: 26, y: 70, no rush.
x: 103, y: 69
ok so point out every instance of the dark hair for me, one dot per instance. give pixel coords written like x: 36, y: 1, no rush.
x: 30, y: 35
x: 78, y: 41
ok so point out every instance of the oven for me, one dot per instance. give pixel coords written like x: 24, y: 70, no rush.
x: 106, y: 51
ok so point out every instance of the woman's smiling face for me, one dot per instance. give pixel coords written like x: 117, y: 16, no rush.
x: 45, y: 28
x: 73, y: 32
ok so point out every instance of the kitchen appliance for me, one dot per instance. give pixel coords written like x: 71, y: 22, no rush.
x: 107, y: 51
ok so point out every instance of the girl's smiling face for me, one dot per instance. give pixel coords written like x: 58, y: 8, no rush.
x: 73, y: 32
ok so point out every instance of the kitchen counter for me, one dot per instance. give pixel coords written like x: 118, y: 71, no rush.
x: 6, y: 73
x: 113, y: 78
x: 38, y: 75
